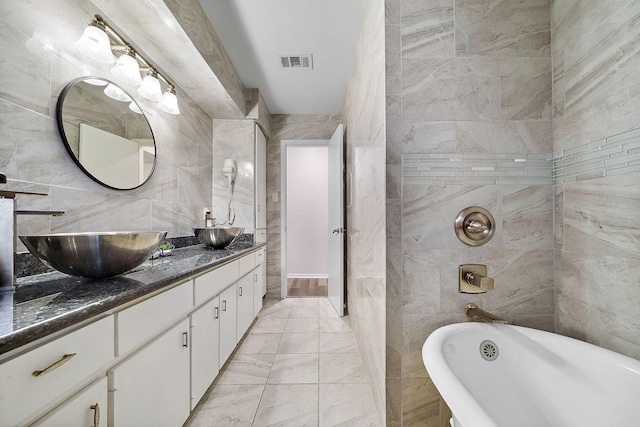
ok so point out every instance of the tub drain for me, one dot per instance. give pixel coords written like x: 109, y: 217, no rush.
x: 489, y: 350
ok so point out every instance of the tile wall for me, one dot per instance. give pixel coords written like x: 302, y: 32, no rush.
x: 469, y: 122
x: 364, y: 117
x: 596, y: 58
x: 39, y: 59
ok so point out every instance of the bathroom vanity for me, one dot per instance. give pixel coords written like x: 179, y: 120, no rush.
x: 139, y: 349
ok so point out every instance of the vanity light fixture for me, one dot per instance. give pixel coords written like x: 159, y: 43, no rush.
x: 99, y: 40
x: 114, y: 92
x: 169, y: 102
x: 95, y: 42
x: 127, y: 68
x: 150, y: 87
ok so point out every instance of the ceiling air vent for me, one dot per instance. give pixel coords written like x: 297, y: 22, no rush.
x: 297, y: 62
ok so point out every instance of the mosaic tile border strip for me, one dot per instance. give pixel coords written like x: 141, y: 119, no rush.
x: 477, y: 169
x: 614, y: 155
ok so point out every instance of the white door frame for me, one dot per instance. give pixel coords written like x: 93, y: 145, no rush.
x: 284, y: 144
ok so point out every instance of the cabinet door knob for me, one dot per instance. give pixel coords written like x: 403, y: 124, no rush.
x: 55, y: 365
x: 96, y: 414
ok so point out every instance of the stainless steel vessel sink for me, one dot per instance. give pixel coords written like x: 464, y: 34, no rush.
x: 94, y: 255
x: 218, y: 237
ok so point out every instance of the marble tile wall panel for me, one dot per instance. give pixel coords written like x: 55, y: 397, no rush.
x: 427, y: 28
x: 596, y: 259
x: 450, y: 89
x: 502, y: 28
x: 525, y: 85
x: 598, y: 43
x: 234, y: 139
x: 365, y: 114
x: 181, y: 184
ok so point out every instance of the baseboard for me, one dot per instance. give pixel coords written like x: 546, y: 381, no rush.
x: 307, y: 276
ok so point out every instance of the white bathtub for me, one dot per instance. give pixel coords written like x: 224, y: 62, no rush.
x: 538, y: 379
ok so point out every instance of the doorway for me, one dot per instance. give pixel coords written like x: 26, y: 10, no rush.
x: 306, y: 213
x: 329, y: 201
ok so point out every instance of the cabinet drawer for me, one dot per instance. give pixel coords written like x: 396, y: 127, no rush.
x: 247, y: 263
x: 87, y: 408
x: 22, y: 394
x: 260, y: 257
x: 212, y: 283
x: 139, y: 323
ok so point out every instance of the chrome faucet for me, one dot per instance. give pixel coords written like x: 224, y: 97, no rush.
x: 8, y: 232
x: 476, y: 314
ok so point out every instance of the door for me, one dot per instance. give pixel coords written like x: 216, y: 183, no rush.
x: 228, y: 322
x: 336, y: 221
x: 205, y: 335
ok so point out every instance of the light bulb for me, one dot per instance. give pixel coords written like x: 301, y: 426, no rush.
x: 127, y: 69
x: 113, y: 91
x: 95, y: 43
x: 150, y: 88
x: 169, y: 102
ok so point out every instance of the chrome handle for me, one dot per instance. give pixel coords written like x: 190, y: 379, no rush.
x: 185, y: 339
x: 339, y: 230
x: 476, y: 227
x: 224, y: 305
x: 55, y: 365
x: 217, y: 311
x: 96, y: 414
x: 479, y: 281
x: 240, y: 290
x: 255, y: 278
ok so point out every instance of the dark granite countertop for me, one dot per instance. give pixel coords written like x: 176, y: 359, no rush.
x: 50, y: 302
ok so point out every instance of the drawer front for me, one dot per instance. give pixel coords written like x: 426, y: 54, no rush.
x: 247, y: 263
x: 260, y: 256
x: 139, y: 323
x: 22, y: 394
x: 261, y: 235
x: 87, y: 408
x: 212, y: 283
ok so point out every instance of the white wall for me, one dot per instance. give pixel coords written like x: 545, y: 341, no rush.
x: 307, y: 222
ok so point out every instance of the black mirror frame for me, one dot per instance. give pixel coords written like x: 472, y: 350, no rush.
x: 59, y: 120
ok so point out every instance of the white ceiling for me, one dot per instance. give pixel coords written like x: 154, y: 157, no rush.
x: 256, y: 32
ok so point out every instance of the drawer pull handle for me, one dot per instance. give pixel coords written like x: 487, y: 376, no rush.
x: 240, y: 290
x: 96, y: 414
x: 185, y: 339
x: 56, y: 365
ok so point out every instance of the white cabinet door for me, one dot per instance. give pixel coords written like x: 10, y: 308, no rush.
x: 261, y: 179
x: 87, y: 408
x: 245, y: 304
x: 152, y: 387
x: 228, y: 322
x: 205, y: 335
x: 258, y: 279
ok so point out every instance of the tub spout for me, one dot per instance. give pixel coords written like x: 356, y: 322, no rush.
x: 476, y: 314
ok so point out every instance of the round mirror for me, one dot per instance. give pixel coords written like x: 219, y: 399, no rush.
x: 106, y: 133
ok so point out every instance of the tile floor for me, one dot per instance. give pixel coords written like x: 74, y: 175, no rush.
x: 297, y: 366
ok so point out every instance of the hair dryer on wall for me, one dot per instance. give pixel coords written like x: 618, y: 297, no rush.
x: 230, y: 169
